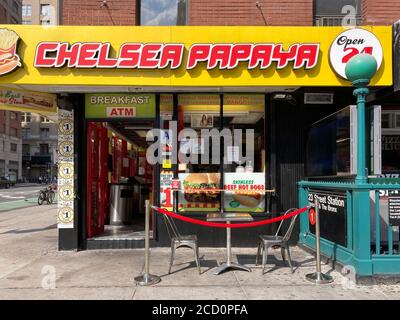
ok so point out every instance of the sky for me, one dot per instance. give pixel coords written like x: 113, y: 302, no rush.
x: 158, y: 12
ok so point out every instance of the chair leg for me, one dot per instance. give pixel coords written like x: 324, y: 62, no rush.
x: 289, y: 258
x: 258, y: 252
x: 172, y: 257
x: 264, y: 256
x: 283, y: 253
x: 196, y: 255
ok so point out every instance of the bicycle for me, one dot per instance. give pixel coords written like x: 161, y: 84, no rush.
x: 47, y: 194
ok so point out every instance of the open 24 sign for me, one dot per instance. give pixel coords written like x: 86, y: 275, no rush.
x: 350, y: 43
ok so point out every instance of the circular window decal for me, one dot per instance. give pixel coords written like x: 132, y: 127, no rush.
x: 350, y: 43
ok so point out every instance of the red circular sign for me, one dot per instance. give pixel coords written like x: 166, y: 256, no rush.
x: 311, y: 216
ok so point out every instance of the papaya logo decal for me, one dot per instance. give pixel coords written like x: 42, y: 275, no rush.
x: 9, y: 59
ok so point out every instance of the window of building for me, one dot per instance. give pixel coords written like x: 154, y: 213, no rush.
x: 44, y: 9
x: 26, y: 10
x: 27, y: 22
x: 26, y: 149
x: 337, y: 13
x: 44, y: 119
x: 390, y: 119
x: 163, y: 13
x: 1, y: 145
x: 391, y: 141
x: 44, y: 133
x: 16, y: 6
x: 13, y: 147
x: 2, y: 168
x: 14, y: 132
x: 26, y: 133
x: 44, y: 149
x: 26, y: 117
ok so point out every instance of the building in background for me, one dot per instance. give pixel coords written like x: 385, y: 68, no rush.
x: 10, y: 11
x: 39, y: 134
x: 39, y: 147
x: 229, y: 13
x: 10, y: 122
x: 45, y: 12
x: 10, y: 145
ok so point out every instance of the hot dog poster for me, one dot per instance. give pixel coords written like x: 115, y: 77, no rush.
x: 244, y: 192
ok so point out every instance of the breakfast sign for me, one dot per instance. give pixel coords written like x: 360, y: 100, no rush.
x: 172, y: 56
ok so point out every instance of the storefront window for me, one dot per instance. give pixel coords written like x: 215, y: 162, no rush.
x: 199, y: 152
x: 221, y: 152
x: 328, y: 146
x: 391, y: 141
x: 244, y: 156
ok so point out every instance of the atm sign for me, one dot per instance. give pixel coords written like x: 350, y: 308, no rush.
x: 121, y: 112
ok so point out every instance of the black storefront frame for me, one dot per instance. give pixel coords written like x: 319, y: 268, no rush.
x: 267, y: 173
x: 77, y: 238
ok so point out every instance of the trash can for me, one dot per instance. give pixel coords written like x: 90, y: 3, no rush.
x: 143, y: 195
x: 121, y: 204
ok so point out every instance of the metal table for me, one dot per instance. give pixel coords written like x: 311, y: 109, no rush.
x: 228, y: 218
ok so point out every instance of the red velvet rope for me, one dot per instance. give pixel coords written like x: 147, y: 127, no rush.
x: 233, y: 225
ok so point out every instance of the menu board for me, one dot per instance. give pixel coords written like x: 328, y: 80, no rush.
x: 394, y: 208
x: 166, y: 194
x: 244, y: 191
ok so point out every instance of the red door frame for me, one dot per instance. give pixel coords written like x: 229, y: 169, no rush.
x: 97, y: 176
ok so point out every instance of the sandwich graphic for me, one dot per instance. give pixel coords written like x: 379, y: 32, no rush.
x: 248, y: 198
x: 202, y: 187
x: 9, y: 59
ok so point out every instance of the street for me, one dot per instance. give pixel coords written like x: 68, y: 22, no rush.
x: 19, y: 196
x: 18, y: 193
x: 31, y: 267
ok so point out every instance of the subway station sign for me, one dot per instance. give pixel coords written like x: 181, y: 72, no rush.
x: 191, y: 56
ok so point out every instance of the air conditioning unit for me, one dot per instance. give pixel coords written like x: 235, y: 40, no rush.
x: 318, y: 98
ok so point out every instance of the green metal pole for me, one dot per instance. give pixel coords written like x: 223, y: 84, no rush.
x: 361, y: 93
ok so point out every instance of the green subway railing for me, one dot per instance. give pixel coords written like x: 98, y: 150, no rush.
x: 365, y: 249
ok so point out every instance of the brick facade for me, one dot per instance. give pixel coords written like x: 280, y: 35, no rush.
x: 245, y: 12
x: 380, y: 12
x: 3, y: 14
x: 91, y: 12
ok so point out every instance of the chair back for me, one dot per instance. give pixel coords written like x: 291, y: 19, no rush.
x: 288, y: 233
x: 281, y: 223
x: 171, y: 227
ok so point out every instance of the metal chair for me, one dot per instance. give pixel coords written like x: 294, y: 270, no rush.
x: 267, y: 241
x: 178, y: 240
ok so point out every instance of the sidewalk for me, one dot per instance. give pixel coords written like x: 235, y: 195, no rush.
x: 29, y: 257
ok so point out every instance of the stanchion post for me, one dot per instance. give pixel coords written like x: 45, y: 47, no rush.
x: 147, y: 279
x: 318, y: 277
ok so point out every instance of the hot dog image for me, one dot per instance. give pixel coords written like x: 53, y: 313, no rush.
x: 9, y: 60
x: 248, y: 198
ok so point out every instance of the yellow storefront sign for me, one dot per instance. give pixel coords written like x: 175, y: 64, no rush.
x: 189, y: 56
